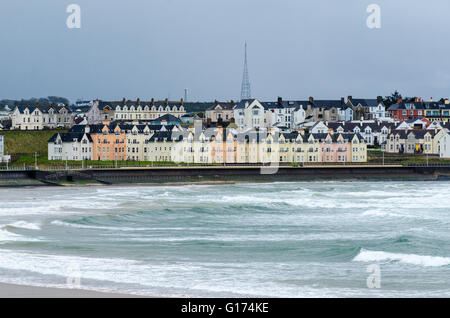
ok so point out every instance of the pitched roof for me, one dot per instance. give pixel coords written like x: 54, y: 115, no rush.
x: 70, y: 137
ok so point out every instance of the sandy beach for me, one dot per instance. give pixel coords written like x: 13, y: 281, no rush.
x: 20, y: 291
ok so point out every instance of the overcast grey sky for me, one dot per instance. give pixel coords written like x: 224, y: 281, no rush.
x: 156, y: 48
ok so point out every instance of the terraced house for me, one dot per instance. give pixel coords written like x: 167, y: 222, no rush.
x: 303, y: 148
x: 70, y: 146
x: 109, y: 143
x: 40, y: 117
x: 127, y: 110
x: 368, y: 109
x: 412, y: 141
x: 418, y: 109
x: 220, y: 111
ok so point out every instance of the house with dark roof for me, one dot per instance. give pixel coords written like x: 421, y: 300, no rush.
x: 128, y: 110
x: 368, y: 109
x: 39, y: 117
x: 220, y: 111
x: 401, y: 110
x: 326, y: 110
x: 374, y: 133
x: 70, y: 146
x: 414, y: 141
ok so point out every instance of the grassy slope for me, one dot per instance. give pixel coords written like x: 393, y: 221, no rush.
x: 28, y: 141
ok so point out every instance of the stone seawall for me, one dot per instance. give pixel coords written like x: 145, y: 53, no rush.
x: 221, y: 174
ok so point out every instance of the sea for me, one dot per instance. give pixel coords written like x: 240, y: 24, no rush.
x: 282, y: 239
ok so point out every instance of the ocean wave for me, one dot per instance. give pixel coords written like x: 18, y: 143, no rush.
x: 21, y: 225
x: 412, y: 259
x: 384, y: 213
x: 98, y: 227
x: 6, y: 236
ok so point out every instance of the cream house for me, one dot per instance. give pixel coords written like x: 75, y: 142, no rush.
x: 220, y: 111
x: 414, y: 141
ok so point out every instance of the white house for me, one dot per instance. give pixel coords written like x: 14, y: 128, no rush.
x: 319, y: 128
x: 444, y: 146
x: 40, y: 117
x: 70, y: 146
x: 250, y: 114
x: 3, y: 158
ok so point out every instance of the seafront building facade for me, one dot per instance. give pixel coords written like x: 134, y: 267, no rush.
x: 140, y: 142
x: 252, y: 131
x: 415, y: 141
x: 127, y: 110
x: 41, y: 117
x: 70, y: 146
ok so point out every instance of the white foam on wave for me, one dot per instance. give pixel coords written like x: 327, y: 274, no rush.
x: 413, y: 259
x: 6, y: 236
x: 98, y: 227
x: 383, y: 213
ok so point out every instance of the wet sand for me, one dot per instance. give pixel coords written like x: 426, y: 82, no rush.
x: 20, y: 291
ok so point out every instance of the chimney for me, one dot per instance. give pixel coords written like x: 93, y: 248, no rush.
x: 87, y: 129
x: 124, y: 101
x: 400, y: 100
x: 311, y: 99
x: 138, y: 101
x: 350, y: 98
x: 342, y: 100
x: 167, y: 101
x: 431, y: 99
x: 446, y: 101
x: 181, y: 101
x: 379, y: 99
x: 280, y: 101
x: 153, y: 100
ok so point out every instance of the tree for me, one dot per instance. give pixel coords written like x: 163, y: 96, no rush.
x: 389, y: 100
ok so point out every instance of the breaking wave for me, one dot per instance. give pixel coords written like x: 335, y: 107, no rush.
x: 412, y: 259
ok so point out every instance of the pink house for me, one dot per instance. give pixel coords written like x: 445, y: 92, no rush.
x: 335, y: 148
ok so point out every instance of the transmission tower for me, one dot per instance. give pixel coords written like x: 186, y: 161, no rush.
x: 245, y: 88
